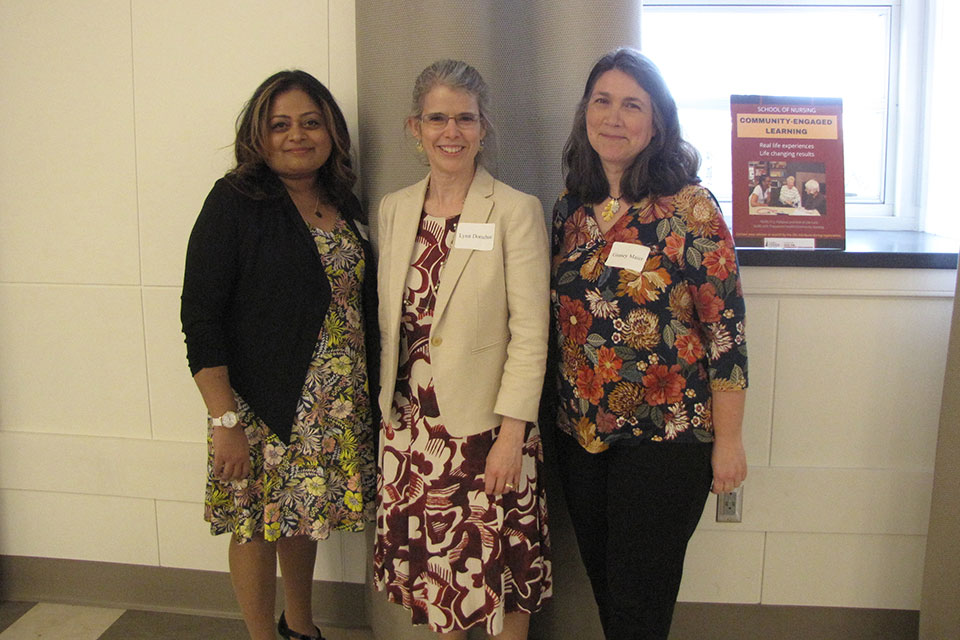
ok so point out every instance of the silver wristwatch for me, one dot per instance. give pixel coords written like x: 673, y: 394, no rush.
x: 228, y: 420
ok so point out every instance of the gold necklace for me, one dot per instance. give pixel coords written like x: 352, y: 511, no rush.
x: 611, y: 209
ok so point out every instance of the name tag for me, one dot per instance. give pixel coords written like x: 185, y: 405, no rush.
x: 475, y: 235
x: 628, y: 256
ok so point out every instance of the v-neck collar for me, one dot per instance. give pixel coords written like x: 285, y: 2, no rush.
x: 617, y: 226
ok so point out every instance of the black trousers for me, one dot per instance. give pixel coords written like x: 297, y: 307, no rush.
x: 634, y: 508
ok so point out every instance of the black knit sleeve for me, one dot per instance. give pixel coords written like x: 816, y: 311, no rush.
x: 209, y: 278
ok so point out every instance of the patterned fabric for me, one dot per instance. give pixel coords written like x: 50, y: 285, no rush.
x: 790, y: 196
x: 325, y: 478
x: 448, y: 552
x: 640, y: 353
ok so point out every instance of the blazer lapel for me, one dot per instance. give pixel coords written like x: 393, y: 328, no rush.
x: 406, y: 223
x: 476, y: 209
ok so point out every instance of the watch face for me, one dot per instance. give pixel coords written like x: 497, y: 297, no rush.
x: 229, y: 419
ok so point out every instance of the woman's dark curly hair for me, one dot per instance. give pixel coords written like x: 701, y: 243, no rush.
x: 666, y: 165
x: 336, y: 177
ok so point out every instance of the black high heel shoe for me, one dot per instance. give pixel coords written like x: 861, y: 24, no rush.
x: 286, y: 632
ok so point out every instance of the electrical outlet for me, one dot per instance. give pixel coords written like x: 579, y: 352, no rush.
x: 730, y: 505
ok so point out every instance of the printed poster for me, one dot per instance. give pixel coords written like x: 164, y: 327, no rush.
x: 788, y: 189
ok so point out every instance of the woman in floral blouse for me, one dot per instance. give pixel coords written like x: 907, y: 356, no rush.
x: 648, y: 344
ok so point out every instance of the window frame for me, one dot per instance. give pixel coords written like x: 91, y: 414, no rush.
x: 905, y: 148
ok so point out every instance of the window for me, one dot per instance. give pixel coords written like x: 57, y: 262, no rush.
x: 940, y: 204
x: 854, y: 50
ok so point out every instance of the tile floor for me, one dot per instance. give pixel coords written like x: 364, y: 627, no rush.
x: 47, y: 621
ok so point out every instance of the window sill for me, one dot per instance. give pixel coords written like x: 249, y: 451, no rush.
x: 865, y: 249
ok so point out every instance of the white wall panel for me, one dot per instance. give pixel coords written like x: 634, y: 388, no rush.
x: 195, y: 64
x: 176, y: 408
x: 73, y: 360
x: 723, y: 566
x: 123, y: 467
x: 61, y: 525
x: 186, y: 543
x: 67, y: 172
x: 845, y: 282
x: 880, y: 572
x: 761, y: 328
x: 184, y: 537
x: 861, y: 501
x: 858, y: 382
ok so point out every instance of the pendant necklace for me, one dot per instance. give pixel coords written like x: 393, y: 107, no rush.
x: 611, y: 209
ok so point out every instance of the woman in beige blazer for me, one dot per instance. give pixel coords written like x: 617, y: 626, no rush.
x: 464, y: 311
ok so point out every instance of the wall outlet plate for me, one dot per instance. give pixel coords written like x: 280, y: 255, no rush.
x: 730, y: 505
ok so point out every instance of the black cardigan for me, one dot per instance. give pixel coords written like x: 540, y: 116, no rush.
x: 255, y: 296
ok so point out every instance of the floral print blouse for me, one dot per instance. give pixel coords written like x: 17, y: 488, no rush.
x: 641, y: 351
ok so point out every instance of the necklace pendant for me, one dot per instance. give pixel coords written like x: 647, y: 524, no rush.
x: 611, y: 209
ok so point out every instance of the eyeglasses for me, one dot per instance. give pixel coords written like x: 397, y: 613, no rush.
x: 466, y: 120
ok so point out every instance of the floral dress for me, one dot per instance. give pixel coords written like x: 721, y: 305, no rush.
x: 325, y: 478
x: 641, y: 350
x: 451, y: 554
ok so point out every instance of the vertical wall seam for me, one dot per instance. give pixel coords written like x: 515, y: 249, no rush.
x: 136, y: 186
x: 773, y: 388
x: 763, y: 566
x: 770, y: 418
x: 156, y: 524
x: 136, y: 156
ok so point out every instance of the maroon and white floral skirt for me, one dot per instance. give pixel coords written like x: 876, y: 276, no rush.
x: 454, y: 556
x: 448, y: 552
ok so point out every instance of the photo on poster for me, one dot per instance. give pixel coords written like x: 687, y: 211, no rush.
x: 787, y: 188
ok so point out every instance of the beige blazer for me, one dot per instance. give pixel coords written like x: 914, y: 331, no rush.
x: 488, y: 341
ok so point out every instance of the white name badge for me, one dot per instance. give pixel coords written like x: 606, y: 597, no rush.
x: 475, y: 235
x: 628, y: 256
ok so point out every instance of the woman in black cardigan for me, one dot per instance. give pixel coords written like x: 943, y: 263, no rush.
x: 279, y: 313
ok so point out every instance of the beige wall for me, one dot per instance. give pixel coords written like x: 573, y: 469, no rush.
x: 840, y: 431
x: 117, y: 118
